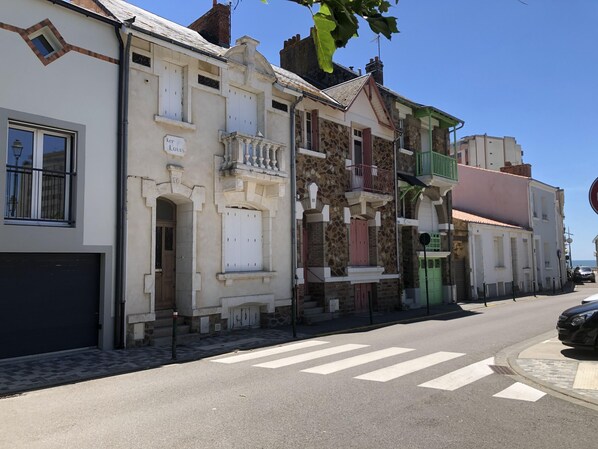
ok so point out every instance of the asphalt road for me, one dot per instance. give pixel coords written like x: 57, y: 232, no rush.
x: 208, y: 404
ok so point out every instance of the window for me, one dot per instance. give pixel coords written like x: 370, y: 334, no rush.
x: 546, y: 255
x: 140, y: 59
x: 310, y: 135
x: 242, y: 240
x: 499, y: 252
x: 209, y: 82
x: 544, y: 209
x: 45, y: 42
x: 280, y: 106
x: 39, y: 174
x: 425, y: 138
x: 525, y: 253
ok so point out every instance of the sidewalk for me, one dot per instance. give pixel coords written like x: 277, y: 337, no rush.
x: 26, y: 374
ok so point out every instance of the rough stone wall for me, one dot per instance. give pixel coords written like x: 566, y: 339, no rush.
x: 280, y: 317
x: 440, y: 140
x: 331, y: 177
x: 412, y: 137
x: 460, y: 240
x: 386, y: 235
x: 387, y: 295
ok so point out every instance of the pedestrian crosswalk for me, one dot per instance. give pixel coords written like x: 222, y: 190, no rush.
x: 451, y: 381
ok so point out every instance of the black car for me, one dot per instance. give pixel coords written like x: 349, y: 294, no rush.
x: 581, y: 274
x: 578, y: 326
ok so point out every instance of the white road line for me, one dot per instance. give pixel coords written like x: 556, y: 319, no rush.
x: 586, y: 377
x: 461, y: 377
x: 310, y: 356
x: 333, y: 367
x: 520, y: 392
x: 272, y: 351
x: 401, y: 369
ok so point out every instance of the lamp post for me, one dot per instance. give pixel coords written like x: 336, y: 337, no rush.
x: 17, y: 150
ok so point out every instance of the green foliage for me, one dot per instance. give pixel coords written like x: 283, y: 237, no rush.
x: 337, y: 21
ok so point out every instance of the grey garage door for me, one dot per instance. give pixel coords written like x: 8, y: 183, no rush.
x: 48, y: 302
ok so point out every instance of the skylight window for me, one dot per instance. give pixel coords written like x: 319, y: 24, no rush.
x: 42, y: 45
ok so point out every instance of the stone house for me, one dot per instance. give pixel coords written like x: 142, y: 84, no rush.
x: 58, y: 190
x: 346, y: 232
x: 425, y: 174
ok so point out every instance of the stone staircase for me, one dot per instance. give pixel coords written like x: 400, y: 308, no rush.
x: 314, y: 314
x: 163, y: 329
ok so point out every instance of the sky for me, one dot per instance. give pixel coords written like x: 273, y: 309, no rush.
x: 521, y: 68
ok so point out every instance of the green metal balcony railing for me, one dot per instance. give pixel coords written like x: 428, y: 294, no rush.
x: 436, y: 164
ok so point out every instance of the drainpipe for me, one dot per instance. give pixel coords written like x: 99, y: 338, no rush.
x: 397, y: 227
x: 293, y: 218
x: 449, y: 206
x: 121, y: 169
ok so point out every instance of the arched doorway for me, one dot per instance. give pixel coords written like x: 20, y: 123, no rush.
x: 165, y: 265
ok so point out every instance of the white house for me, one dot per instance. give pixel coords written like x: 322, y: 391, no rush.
x: 58, y: 191
x: 208, y: 200
x: 496, y: 257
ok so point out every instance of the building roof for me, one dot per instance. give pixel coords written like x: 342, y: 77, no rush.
x: 152, y: 24
x: 345, y: 93
x: 471, y: 218
x: 295, y: 82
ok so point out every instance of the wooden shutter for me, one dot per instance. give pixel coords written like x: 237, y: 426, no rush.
x: 315, y: 131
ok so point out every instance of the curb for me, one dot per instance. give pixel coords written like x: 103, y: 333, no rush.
x: 509, y: 357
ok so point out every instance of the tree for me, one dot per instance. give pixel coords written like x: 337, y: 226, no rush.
x: 337, y: 21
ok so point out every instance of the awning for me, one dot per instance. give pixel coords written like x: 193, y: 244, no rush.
x: 412, y: 180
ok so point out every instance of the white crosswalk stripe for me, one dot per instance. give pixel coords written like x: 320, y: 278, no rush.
x: 268, y: 352
x: 520, y: 392
x: 461, y: 377
x: 411, y: 366
x: 449, y: 382
x: 357, y: 360
x: 310, y: 356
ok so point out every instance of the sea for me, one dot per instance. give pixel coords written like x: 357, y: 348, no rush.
x: 586, y: 263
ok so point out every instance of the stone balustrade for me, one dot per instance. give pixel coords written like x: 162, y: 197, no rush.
x: 253, y: 152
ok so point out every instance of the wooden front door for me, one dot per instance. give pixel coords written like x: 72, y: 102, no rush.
x: 434, y: 281
x: 362, y: 293
x: 165, y: 256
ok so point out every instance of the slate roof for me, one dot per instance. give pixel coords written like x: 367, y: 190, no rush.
x: 150, y: 23
x: 471, y: 218
x: 345, y: 93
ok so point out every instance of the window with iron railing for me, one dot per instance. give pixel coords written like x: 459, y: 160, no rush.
x: 39, y: 174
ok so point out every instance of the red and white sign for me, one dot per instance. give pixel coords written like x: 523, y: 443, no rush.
x: 594, y: 195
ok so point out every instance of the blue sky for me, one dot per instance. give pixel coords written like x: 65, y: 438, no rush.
x: 507, y: 68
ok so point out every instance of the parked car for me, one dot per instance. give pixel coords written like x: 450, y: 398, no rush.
x: 578, y: 326
x: 581, y: 274
x: 590, y: 298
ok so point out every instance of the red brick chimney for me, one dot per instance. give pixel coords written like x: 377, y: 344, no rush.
x: 375, y: 67
x: 214, y: 26
x: 519, y: 170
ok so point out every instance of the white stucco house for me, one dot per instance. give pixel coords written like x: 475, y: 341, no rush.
x: 497, y: 257
x: 58, y: 189
x: 208, y: 220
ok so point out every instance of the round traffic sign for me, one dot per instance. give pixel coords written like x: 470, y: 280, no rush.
x: 594, y: 195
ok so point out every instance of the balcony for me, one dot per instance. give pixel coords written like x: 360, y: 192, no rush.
x: 436, y: 169
x: 368, y: 186
x: 253, y: 158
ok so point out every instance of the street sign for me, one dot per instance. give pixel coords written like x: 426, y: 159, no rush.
x: 594, y: 195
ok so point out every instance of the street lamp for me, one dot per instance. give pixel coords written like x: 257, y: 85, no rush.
x: 17, y: 150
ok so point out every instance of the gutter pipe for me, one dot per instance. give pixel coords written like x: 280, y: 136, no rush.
x: 121, y: 188
x: 450, y: 216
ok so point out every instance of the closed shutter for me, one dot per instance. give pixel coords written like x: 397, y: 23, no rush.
x: 242, y: 240
x: 242, y: 111
x: 315, y: 131
x: 359, y: 240
x: 171, y: 91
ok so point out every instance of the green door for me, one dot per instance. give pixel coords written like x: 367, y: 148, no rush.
x: 434, y: 281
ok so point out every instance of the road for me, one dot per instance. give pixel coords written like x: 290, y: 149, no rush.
x: 397, y: 387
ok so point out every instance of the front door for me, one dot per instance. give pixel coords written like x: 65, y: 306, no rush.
x: 434, y: 281
x: 362, y: 296
x: 165, y: 255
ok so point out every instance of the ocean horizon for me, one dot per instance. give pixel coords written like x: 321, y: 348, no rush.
x: 584, y: 262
